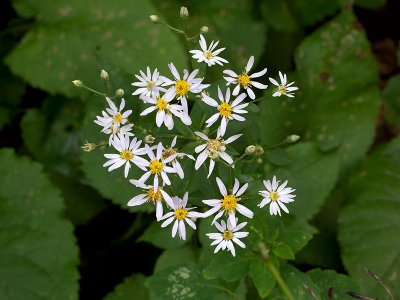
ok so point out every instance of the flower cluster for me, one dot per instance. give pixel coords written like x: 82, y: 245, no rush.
x: 154, y: 166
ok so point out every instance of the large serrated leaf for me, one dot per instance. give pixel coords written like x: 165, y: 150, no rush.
x: 38, y: 253
x: 133, y: 287
x: 369, y: 225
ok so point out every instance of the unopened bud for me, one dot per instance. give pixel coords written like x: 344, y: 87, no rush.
x: 184, y: 13
x: 149, y: 139
x: 204, y: 29
x: 259, y: 150
x: 104, y: 75
x: 119, y: 93
x: 250, y: 149
x: 155, y: 19
x: 259, y: 161
x: 88, y: 147
x: 77, y: 83
x: 292, y: 138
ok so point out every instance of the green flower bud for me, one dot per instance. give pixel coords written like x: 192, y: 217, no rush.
x: 104, y: 75
x: 203, y: 29
x: 184, y: 13
x: 292, y: 138
x: 250, y: 149
x: 149, y: 139
x: 119, y: 93
x: 155, y: 19
x: 259, y: 150
x: 88, y: 147
x: 77, y: 83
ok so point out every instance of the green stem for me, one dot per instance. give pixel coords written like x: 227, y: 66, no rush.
x: 284, y: 142
x: 187, y: 46
x: 275, y: 273
x: 172, y: 28
x: 256, y: 100
x: 94, y: 91
x: 239, y: 159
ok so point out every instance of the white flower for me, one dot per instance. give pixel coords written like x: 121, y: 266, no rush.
x: 128, y: 152
x: 208, y: 55
x: 149, y: 83
x: 113, y: 119
x: 182, y: 87
x: 229, y: 203
x: 213, y: 148
x: 283, y: 87
x: 150, y: 195
x: 158, y: 167
x: 227, y: 110
x: 180, y: 215
x: 277, y: 195
x: 165, y: 109
x: 245, y: 80
x: 228, y: 234
x: 167, y: 152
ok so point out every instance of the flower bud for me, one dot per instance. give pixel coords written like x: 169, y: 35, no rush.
x: 88, y: 147
x: 104, y: 75
x: 155, y: 19
x: 119, y: 93
x: 203, y: 29
x: 77, y: 83
x: 292, y: 138
x: 259, y: 150
x: 259, y: 161
x: 250, y: 149
x: 149, y: 139
x: 184, y: 13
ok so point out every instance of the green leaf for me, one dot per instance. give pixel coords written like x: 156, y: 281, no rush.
x: 295, y: 239
x: 370, y: 223
x: 278, y: 156
x: 171, y: 257
x: 262, y: 278
x: 339, y: 282
x: 37, y: 242
x: 333, y: 108
x: 282, y: 250
x: 75, y: 40
x: 182, y: 282
x: 391, y: 98
x: 133, y: 287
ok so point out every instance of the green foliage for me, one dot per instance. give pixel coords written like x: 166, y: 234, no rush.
x: 370, y: 222
x: 133, y: 287
x: 262, y: 278
x: 391, y: 98
x: 175, y: 256
x: 37, y: 244
x: 67, y: 41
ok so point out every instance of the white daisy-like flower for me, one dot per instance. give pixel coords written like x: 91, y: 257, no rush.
x: 227, y: 234
x: 182, y: 87
x: 181, y: 214
x: 113, y: 119
x: 276, y: 195
x: 245, y: 80
x: 226, y: 109
x: 208, y: 55
x: 229, y: 203
x: 165, y: 109
x: 213, y: 148
x: 150, y: 195
x: 283, y: 87
x: 158, y: 167
x: 149, y: 83
x: 128, y: 153
x: 167, y: 152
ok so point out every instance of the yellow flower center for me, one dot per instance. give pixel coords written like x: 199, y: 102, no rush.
x: 273, y: 196
x: 180, y: 213
x: 229, y: 202
x: 215, y: 145
x: 118, y: 118
x: 207, y: 54
x: 126, y: 154
x: 150, y: 85
x: 212, y: 154
x: 167, y: 153
x: 161, y: 104
x: 156, y: 166
x: 154, y: 196
x: 244, y: 80
x: 225, y: 109
x: 182, y: 87
x: 282, y: 89
x: 228, y: 235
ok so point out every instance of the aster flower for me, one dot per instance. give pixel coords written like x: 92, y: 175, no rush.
x: 208, y: 55
x: 229, y: 203
x: 149, y: 195
x: 213, y: 148
x: 148, y: 84
x: 227, y: 110
x: 276, y: 195
x: 165, y: 109
x: 128, y: 153
x: 158, y: 167
x: 182, y: 87
x: 245, y: 80
x: 181, y: 214
x: 283, y: 87
x: 227, y: 234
